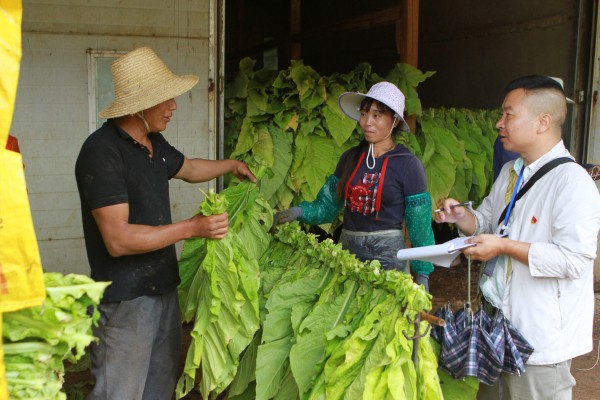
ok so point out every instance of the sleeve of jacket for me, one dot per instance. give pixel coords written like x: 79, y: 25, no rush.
x: 325, y: 208
x: 418, y: 223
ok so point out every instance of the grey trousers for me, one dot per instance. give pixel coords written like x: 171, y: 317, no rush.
x: 539, y: 382
x: 137, y: 355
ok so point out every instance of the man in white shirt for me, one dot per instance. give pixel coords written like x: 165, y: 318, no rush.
x: 543, y: 274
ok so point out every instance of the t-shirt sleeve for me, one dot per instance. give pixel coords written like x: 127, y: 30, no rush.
x: 101, y: 177
x: 174, y: 158
x: 416, y: 181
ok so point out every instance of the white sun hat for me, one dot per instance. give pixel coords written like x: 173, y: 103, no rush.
x: 142, y: 80
x: 560, y: 81
x: 384, y: 92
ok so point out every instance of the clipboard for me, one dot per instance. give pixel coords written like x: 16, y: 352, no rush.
x: 439, y: 254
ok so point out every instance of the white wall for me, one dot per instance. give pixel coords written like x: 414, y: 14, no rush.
x: 51, y: 110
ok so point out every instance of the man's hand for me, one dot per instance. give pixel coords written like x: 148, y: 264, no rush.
x: 463, y: 218
x: 211, y: 227
x: 487, y: 246
x: 448, y: 213
x: 289, y: 215
x: 241, y: 171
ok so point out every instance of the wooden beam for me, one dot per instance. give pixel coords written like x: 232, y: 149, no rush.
x: 405, y: 17
x: 295, y: 46
x: 407, y: 32
x: 361, y: 22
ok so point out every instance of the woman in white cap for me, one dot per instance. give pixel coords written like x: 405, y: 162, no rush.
x: 123, y: 173
x: 380, y: 185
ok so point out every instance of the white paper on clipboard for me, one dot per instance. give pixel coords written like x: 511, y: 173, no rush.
x: 439, y: 254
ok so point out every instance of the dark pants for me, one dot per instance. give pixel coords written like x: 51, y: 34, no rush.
x: 138, y: 350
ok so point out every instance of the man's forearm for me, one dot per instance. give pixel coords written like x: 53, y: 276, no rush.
x: 199, y: 170
x: 468, y: 224
x: 133, y: 239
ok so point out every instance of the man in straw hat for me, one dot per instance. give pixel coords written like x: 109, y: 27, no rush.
x: 123, y: 173
x: 538, y: 240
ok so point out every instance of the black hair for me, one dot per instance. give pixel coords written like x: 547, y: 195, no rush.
x: 367, y: 102
x: 534, y: 82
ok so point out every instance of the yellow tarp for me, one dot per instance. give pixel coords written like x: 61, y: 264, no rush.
x: 21, y: 276
x: 3, y: 385
x: 10, y: 60
x: 21, y: 279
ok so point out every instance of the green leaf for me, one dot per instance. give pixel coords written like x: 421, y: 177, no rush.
x: 319, y: 162
x: 310, y: 92
x: 309, y: 349
x: 246, y: 370
x: 272, y: 362
x: 339, y: 126
x: 246, y: 138
x: 282, y: 151
x: 407, y: 78
x: 440, y: 178
x: 263, y: 147
x: 239, y: 87
x: 288, y: 389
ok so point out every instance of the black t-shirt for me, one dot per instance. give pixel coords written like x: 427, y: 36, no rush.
x: 404, y: 176
x: 112, y: 168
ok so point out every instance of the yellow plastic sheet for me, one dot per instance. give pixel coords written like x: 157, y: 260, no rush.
x: 21, y: 280
x: 10, y: 59
x: 21, y: 277
x: 3, y: 384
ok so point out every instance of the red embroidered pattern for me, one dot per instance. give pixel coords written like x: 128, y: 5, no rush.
x: 361, y: 195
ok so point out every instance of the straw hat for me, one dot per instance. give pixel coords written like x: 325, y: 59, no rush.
x: 384, y: 92
x: 142, y: 80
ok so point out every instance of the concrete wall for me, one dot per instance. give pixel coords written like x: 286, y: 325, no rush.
x: 51, y: 112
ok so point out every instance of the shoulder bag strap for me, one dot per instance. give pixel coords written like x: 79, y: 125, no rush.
x: 538, y: 174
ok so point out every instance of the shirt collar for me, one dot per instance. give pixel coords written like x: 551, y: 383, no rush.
x: 559, y: 150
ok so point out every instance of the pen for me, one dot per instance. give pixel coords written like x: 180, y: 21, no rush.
x: 464, y: 204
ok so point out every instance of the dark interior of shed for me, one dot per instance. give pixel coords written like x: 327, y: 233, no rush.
x: 335, y: 38
x: 474, y: 53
